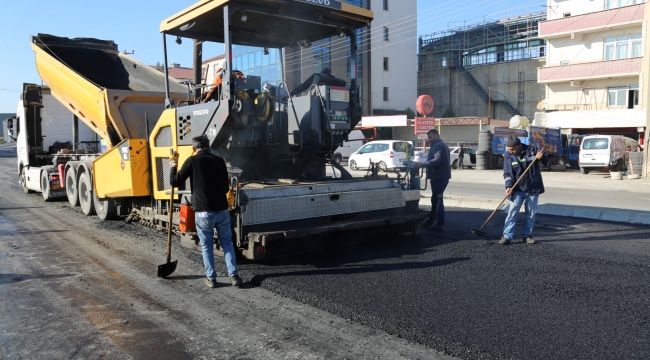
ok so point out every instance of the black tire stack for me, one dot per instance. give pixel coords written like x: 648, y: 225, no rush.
x: 484, y: 153
x: 637, y: 163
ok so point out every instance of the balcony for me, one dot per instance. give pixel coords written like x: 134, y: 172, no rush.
x: 576, y: 26
x: 587, y: 71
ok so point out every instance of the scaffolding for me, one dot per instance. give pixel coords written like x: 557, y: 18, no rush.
x: 473, y: 68
x: 511, y: 39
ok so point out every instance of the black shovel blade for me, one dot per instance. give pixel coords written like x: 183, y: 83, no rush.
x: 167, y: 269
x: 480, y: 233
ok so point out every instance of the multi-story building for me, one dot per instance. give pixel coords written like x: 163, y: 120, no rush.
x: 486, y: 69
x: 593, y: 74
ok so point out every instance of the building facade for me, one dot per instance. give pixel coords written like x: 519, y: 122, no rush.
x: 593, y: 74
x: 487, y: 69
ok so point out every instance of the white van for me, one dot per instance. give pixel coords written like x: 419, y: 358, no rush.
x: 355, y: 141
x: 386, y: 153
x: 602, y: 151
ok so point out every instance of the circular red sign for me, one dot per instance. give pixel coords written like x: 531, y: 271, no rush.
x: 424, y: 104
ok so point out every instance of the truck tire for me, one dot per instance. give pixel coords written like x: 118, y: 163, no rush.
x: 23, y: 182
x: 71, y: 187
x: 353, y: 165
x: 584, y: 170
x: 45, y: 186
x: 86, y: 194
x: 106, y: 209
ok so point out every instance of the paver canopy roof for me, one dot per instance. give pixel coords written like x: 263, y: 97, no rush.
x: 268, y: 23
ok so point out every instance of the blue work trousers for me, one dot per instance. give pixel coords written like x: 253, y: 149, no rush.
x: 516, y: 200
x: 206, y: 221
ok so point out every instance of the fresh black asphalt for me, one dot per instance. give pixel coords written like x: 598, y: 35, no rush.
x: 581, y: 292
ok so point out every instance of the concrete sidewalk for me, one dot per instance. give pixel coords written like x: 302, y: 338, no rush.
x: 585, y: 212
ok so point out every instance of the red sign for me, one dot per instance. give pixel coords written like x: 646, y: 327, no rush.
x: 424, y: 124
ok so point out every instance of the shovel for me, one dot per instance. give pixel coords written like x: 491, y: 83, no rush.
x: 480, y: 231
x: 169, y: 267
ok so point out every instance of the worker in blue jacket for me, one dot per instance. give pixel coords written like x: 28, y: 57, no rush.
x: 516, y: 159
x: 439, y: 172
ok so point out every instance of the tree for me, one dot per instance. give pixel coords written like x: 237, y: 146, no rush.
x: 448, y: 113
x: 410, y: 114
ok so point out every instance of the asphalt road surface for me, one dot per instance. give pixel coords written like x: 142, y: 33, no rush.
x: 75, y: 287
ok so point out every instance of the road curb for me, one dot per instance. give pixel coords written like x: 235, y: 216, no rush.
x: 584, y: 212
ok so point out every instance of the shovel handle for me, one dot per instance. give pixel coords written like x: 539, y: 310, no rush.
x: 169, y: 219
x: 504, y: 199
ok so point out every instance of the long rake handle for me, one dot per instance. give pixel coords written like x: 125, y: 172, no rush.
x: 169, y: 224
x: 504, y: 199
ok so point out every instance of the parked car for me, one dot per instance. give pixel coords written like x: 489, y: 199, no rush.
x: 469, y: 159
x: 603, y: 151
x: 387, y: 153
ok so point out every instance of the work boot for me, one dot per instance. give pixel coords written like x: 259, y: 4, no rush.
x: 437, y: 227
x: 236, y: 280
x: 529, y: 240
x: 504, y: 241
x: 211, y: 283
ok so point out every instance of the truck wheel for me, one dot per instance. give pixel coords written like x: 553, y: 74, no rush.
x: 353, y: 165
x: 45, y: 186
x: 71, y: 187
x: 106, y: 209
x: 584, y: 170
x: 23, y: 182
x: 454, y: 165
x: 86, y: 194
x: 337, y: 159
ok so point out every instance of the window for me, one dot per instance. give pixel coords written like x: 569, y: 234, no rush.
x: 595, y: 144
x: 366, y: 149
x: 385, y: 94
x: 385, y: 64
x: 633, y: 96
x: 613, y: 4
x: 617, y: 96
x: 385, y: 33
x: 385, y: 4
x: 401, y: 146
x: 379, y: 147
x: 623, y: 47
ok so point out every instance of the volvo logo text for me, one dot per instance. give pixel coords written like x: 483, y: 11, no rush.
x: 200, y: 112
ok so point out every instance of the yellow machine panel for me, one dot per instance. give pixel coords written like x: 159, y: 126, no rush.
x: 123, y: 171
x: 162, y: 139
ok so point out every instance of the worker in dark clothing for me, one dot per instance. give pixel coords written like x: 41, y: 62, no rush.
x: 461, y: 156
x: 439, y: 172
x: 324, y: 77
x: 209, y: 184
x: 517, y: 158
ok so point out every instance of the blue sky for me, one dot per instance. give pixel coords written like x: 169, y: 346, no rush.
x: 134, y: 25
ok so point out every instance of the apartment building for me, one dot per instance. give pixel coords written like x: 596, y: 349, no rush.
x: 593, y: 73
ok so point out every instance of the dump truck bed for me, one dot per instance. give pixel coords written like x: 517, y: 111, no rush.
x: 107, y: 90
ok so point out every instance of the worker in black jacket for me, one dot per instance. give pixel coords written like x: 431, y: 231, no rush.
x: 439, y: 172
x: 209, y: 184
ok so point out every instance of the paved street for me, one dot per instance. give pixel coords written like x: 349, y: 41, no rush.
x: 76, y: 287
